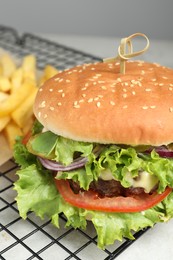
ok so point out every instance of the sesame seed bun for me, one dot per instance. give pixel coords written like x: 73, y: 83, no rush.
x: 95, y: 103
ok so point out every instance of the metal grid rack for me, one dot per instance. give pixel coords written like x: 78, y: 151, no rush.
x: 34, y: 238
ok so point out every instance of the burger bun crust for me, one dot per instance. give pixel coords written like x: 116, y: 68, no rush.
x: 95, y: 103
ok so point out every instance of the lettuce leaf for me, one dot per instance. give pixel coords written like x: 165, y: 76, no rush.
x: 58, y: 148
x: 37, y: 192
x: 121, y: 162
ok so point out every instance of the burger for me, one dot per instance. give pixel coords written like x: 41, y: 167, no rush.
x: 101, y: 149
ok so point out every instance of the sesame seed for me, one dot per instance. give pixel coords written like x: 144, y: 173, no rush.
x: 92, y: 68
x: 43, y: 104
x: 171, y: 85
x: 40, y: 89
x: 153, y: 79
x: 170, y: 88
x: 56, y: 79
x: 86, y: 84
x: 124, y: 95
x: 50, y: 89
x: 100, y: 96
x: 52, y: 108
x: 83, y: 88
x: 157, y: 65
x: 63, y: 95
x: 125, y: 106
x: 81, y: 100
x: 68, y: 81
x: 98, y: 104
x: 101, y: 81
x: 45, y: 116
x: 80, y: 71
x: 75, y: 103
x: 76, y: 106
x: 90, y: 100
x: 152, y: 107
x: 124, y: 89
x: 145, y: 107
x: 60, y: 90
x: 119, y: 79
x: 148, y: 89
x: 113, y: 90
x: 103, y: 87
x: 83, y: 95
x: 61, y: 80
x: 133, y: 81
x: 94, y: 83
x: 133, y: 93
x: 171, y: 109
x: 96, y: 98
x: 59, y: 104
x: 70, y: 72
x: 161, y: 84
x: 142, y: 72
x: 112, y: 103
x: 39, y: 114
x: 164, y: 77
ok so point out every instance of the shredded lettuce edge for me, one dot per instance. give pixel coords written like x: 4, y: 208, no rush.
x: 36, y: 192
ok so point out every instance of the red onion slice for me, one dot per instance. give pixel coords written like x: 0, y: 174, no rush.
x: 77, y: 163
x: 56, y: 166
x: 162, y: 151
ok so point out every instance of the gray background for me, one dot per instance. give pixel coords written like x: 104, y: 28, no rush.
x: 117, y: 18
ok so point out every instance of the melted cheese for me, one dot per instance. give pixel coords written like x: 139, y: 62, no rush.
x: 145, y: 180
x: 106, y: 175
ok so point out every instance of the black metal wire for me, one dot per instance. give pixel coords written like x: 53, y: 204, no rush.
x: 61, y: 57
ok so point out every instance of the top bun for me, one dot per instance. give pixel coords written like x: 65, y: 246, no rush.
x: 95, y: 103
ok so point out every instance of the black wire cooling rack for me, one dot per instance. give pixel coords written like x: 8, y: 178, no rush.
x: 34, y: 238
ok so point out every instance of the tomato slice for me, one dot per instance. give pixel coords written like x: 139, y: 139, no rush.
x: 26, y: 137
x: 91, y: 201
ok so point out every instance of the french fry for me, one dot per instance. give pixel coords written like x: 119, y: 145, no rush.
x: 3, y: 96
x: 5, y: 84
x: 8, y: 65
x: 16, y: 98
x: 16, y: 79
x: 4, y: 121
x: 28, y: 126
x: 11, y: 131
x: 29, y: 67
x: 18, y: 88
x: 25, y: 111
x: 49, y: 71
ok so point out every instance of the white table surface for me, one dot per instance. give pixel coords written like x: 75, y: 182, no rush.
x: 157, y: 243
